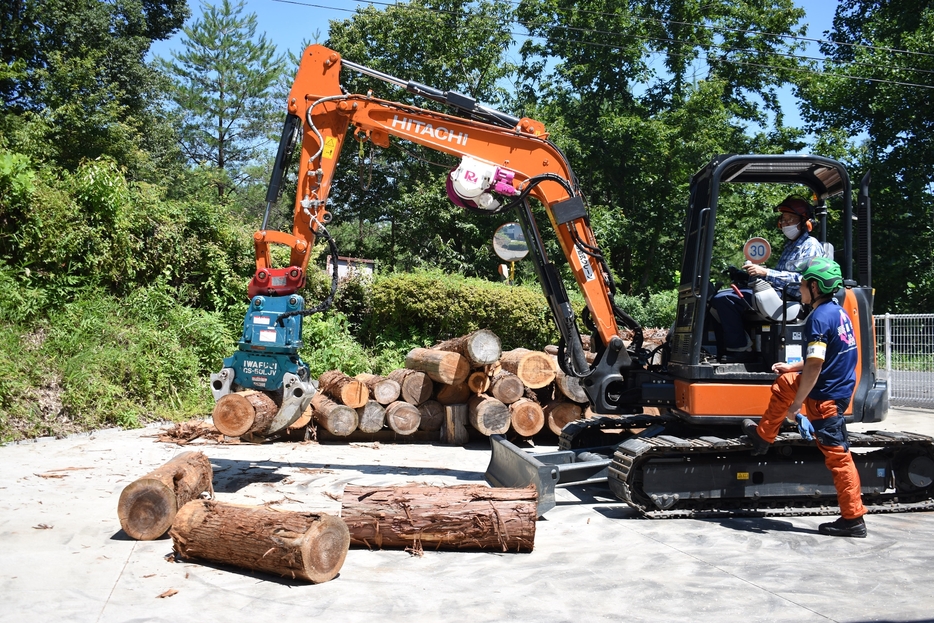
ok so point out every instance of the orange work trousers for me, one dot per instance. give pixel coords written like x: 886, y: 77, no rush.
x: 837, y: 458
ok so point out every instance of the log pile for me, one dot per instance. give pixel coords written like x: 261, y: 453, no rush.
x: 463, y: 387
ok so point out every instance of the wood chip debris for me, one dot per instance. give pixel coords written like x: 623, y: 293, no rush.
x: 167, y: 593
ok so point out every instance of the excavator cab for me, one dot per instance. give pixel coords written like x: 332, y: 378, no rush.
x: 711, y: 389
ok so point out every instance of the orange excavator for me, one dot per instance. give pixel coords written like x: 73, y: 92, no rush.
x: 689, y: 454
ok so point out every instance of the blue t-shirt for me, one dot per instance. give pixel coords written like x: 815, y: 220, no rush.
x: 830, y: 337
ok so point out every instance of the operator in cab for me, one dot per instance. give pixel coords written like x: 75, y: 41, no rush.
x: 794, y: 220
x: 822, y: 385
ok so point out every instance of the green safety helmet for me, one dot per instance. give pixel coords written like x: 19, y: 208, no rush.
x: 825, y: 272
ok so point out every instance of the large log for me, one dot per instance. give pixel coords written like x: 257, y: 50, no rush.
x: 454, y: 430
x: 244, y: 412
x: 460, y: 517
x: 452, y: 394
x: 343, y: 389
x: 526, y: 417
x: 403, y: 417
x: 535, y: 368
x: 309, y: 546
x: 415, y: 384
x: 382, y: 389
x: 480, y: 348
x: 432, y: 415
x: 507, y: 387
x: 371, y: 417
x: 149, y: 504
x: 560, y: 412
x: 441, y: 366
x: 488, y: 415
x: 570, y: 387
x: 335, y: 418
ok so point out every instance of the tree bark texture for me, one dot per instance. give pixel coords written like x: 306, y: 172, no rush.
x: 308, y: 546
x: 560, y: 412
x: 371, y: 417
x: 452, y: 394
x: 343, y: 389
x: 415, y: 384
x: 434, y: 518
x: 507, y: 387
x: 454, y: 430
x: 382, y: 389
x: 439, y: 365
x: 335, y: 418
x: 149, y: 504
x: 488, y: 415
x: 526, y: 417
x: 480, y: 348
x: 432, y: 415
x: 403, y: 417
x: 244, y: 412
x: 535, y: 368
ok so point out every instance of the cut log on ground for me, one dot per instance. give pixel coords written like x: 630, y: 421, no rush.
x: 307, y: 546
x: 480, y: 348
x: 454, y: 430
x: 335, y: 418
x: 419, y: 517
x: 415, y: 384
x: 303, y: 420
x: 148, y: 505
x: 403, y: 417
x: 560, y: 412
x: 527, y: 417
x: 343, y: 389
x: 244, y: 412
x: 441, y: 366
x: 371, y: 417
x: 535, y: 368
x: 432, y: 415
x: 383, y: 390
x: 488, y: 415
x: 507, y: 387
x: 452, y: 394
x: 478, y: 382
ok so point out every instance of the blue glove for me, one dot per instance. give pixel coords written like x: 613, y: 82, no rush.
x: 805, y: 427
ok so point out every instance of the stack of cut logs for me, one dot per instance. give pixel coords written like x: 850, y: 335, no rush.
x: 441, y: 389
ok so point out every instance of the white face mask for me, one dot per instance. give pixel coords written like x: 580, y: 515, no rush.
x: 791, y: 231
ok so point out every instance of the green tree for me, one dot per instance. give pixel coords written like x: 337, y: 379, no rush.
x: 224, y: 90
x: 641, y: 95
x: 872, y: 101
x: 74, y: 83
x: 392, y: 202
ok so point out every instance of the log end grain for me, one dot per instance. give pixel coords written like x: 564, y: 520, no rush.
x: 324, y: 548
x: 146, y: 509
x: 233, y: 415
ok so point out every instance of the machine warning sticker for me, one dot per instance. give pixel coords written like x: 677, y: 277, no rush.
x: 267, y: 335
x: 584, y: 259
x: 259, y: 381
x: 261, y: 320
x: 742, y: 475
x: 330, y: 146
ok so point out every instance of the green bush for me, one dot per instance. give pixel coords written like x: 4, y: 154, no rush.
x: 653, y: 311
x: 430, y: 306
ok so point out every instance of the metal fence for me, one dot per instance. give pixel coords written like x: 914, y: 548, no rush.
x: 905, y: 356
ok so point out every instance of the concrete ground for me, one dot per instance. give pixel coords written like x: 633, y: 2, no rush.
x: 63, y: 556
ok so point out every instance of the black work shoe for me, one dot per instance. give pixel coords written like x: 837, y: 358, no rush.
x: 759, y: 445
x: 844, y: 527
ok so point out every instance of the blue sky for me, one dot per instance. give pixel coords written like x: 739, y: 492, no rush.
x: 288, y: 23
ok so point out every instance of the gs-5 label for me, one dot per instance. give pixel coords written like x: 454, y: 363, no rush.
x: 742, y: 475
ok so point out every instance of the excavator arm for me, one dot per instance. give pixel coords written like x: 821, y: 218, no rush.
x: 504, y: 161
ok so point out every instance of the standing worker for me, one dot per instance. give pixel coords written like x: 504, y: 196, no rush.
x: 823, y: 383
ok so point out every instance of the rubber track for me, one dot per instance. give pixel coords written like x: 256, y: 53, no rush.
x: 629, y: 457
